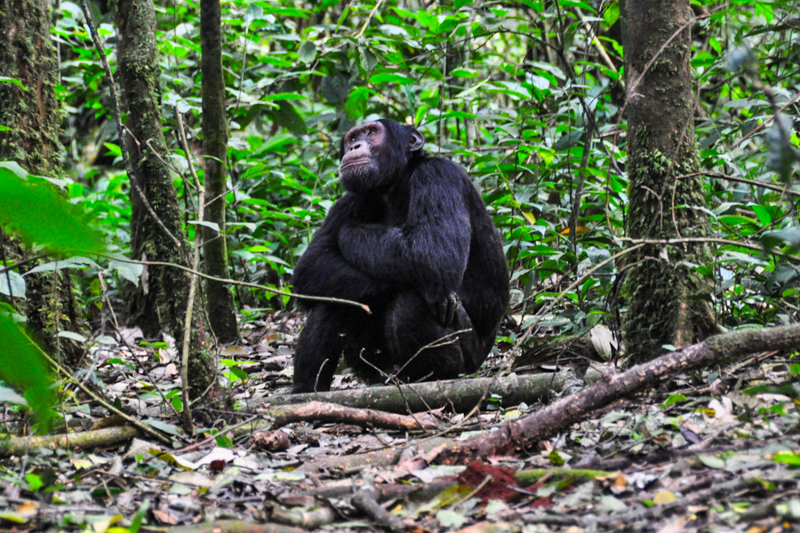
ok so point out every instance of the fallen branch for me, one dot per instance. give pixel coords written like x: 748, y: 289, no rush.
x: 365, y: 500
x: 426, y: 491
x: 330, y: 412
x: 460, y: 395
x: 82, y: 441
x: 311, y: 519
x: 229, y: 526
x: 386, y: 457
x: 567, y: 411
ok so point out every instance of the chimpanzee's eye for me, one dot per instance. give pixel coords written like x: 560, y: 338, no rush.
x: 370, y: 132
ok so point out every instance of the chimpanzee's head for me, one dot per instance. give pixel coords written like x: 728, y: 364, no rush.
x: 376, y: 154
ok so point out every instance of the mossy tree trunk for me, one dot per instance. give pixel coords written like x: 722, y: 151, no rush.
x: 219, y: 299
x: 32, y: 116
x: 161, y: 302
x: 666, y: 297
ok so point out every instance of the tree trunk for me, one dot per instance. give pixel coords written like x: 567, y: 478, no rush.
x: 219, y: 299
x: 32, y: 117
x: 665, y: 293
x: 162, y: 302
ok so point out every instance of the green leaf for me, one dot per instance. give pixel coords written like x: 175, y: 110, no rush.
x: 787, y: 457
x: 390, y: 77
x: 368, y: 60
x: 64, y: 230
x: 5, y: 79
x: 464, y: 73
x: 356, y: 104
x: 77, y: 337
x: 711, y: 461
x: 12, y: 284
x: 307, y: 52
x: 14, y: 167
x: 283, y: 96
x: 127, y: 270
x: 287, y: 117
x: 254, y: 12
x: 141, y: 513
x: 23, y: 367
x: 206, y: 224
x: 763, y: 214
x: 72, y: 262
x: 778, y: 239
x: 611, y: 14
x: 675, y: 398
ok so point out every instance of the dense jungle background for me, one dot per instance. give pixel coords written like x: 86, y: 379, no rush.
x: 639, y: 161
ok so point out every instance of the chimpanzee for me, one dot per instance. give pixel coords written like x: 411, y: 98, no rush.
x: 412, y: 239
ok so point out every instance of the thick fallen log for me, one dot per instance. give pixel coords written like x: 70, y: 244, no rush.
x: 461, y: 395
x: 544, y: 424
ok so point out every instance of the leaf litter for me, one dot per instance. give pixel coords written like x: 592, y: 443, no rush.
x: 707, y: 451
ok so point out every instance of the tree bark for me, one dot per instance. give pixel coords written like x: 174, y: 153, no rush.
x: 219, y: 300
x: 32, y: 116
x: 665, y: 294
x: 162, y: 302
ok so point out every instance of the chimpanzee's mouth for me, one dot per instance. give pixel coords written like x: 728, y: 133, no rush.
x: 355, y: 162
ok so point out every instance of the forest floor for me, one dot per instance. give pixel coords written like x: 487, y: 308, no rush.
x: 707, y: 451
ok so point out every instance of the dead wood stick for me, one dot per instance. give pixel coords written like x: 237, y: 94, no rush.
x: 567, y: 411
x: 426, y: 491
x: 307, y: 519
x: 366, y: 501
x: 460, y: 394
x: 385, y: 457
x: 230, y: 526
x: 423, y: 491
x: 330, y: 412
x: 82, y: 440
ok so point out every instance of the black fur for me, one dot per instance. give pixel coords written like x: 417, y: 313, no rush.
x: 410, y: 234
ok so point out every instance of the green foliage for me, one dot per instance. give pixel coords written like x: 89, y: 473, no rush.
x: 22, y: 366
x: 527, y: 97
x: 39, y: 214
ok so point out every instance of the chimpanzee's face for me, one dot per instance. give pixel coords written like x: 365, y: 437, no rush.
x: 362, y: 151
x: 376, y: 154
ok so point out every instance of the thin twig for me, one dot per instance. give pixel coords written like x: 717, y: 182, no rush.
x: 187, y: 324
x: 196, y: 272
x: 753, y: 183
x: 369, y: 19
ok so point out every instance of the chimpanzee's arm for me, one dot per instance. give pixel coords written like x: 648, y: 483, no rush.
x: 429, y: 252
x: 322, y: 271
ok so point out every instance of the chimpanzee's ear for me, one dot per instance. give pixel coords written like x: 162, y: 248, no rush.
x: 415, y: 140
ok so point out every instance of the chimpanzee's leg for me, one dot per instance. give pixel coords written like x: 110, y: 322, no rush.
x: 330, y: 331
x: 411, y: 328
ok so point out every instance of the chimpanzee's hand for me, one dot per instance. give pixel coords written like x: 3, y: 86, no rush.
x: 444, y: 308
